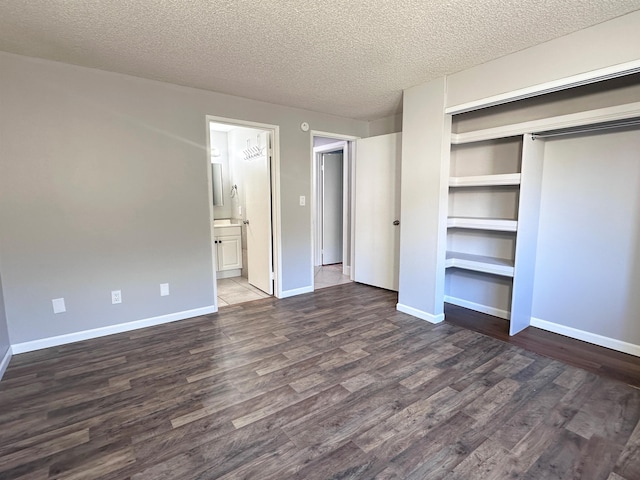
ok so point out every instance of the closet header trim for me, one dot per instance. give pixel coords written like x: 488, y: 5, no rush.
x: 594, y: 76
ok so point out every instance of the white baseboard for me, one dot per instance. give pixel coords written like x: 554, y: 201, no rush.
x: 589, y: 337
x: 346, y: 270
x: 496, y: 312
x: 296, y: 291
x: 110, y: 330
x: 228, y: 273
x: 419, y: 313
x: 4, y: 363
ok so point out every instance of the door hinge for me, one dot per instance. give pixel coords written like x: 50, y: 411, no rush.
x: 273, y: 276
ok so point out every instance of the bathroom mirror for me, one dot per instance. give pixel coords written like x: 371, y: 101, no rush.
x: 216, y: 182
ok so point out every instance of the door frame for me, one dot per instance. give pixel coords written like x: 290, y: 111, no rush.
x: 347, y: 144
x: 276, y: 230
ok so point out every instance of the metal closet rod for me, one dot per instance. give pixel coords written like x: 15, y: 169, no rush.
x: 588, y: 128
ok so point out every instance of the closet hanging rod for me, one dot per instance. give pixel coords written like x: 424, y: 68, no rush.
x: 588, y: 128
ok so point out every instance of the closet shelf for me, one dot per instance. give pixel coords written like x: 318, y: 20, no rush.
x: 480, y: 263
x: 485, y: 180
x: 495, y: 224
x: 589, y: 117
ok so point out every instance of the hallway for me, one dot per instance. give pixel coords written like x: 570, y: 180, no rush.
x: 329, y: 275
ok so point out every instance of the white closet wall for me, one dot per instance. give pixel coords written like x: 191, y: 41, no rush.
x: 476, y: 195
x: 494, y: 200
x: 569, y: 261
x: 588, y: 257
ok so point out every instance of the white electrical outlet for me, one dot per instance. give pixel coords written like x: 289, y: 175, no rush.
x: 58, y: 305
x: 116, y: 296
x: 164, y: 289
x: 303, y: 200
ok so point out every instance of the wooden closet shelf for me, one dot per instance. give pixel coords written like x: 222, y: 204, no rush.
x: 485, y: 180
x: 480, y: 263
x: 496, y: 224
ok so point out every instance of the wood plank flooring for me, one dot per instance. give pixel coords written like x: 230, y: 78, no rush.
x: 596, y: 359
x: 331, y: 385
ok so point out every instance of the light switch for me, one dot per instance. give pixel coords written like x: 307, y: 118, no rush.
x: 303, y: 200
x: 58, y: 305
x: 164, y: 289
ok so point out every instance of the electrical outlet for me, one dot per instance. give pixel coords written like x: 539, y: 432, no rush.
x: 303, y: 200
x: 58, y: 305
x: 164, y: 289
x: 116, y: 296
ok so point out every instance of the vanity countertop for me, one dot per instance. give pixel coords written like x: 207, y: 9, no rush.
x: 226, y: 222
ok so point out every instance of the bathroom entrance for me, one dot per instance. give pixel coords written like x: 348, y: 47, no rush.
x: 241, y: 191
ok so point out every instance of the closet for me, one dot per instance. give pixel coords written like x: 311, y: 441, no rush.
x: 497, y: 159
x: 494, y: 198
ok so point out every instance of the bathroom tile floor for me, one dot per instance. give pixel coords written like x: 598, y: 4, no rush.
x: 238, y: 290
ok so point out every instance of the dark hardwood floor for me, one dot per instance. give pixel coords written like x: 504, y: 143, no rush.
x: 335, y: 384
x: 600, y: 360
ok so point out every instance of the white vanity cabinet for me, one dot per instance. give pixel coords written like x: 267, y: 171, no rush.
x: 228, y: 242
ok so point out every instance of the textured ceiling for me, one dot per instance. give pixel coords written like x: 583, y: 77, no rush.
x: 346, y: 57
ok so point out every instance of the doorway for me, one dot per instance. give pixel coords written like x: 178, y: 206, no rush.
x: 243, y: 190
x: 331, y: 210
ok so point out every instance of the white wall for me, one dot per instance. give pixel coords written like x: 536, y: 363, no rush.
x: 219, y: 140
x: 604, y: 45
x: 425, y: 141
x: 588, y: 256
x: 4, y: 331
x: 103, y: 186
x: 320, y: 141
x: 238, y: 138
x: 382, y: 126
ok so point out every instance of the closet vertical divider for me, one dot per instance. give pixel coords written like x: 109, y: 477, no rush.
x: 527, y: 234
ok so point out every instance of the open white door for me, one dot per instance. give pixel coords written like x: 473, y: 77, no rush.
x: 257, y: 179
x: 377, y: 211
x: 332, y: 194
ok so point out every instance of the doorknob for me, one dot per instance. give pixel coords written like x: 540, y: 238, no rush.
x: 246, y: 222
x: 396, y: 222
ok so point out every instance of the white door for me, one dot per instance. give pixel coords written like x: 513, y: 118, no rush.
x: 331, y: 208
x: 377, y: 211
x: 257, y: 180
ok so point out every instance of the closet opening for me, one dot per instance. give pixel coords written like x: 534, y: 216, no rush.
x: 541, y: 223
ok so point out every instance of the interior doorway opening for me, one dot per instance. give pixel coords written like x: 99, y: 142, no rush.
x: 332, y: 217
x: 243, y: 214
